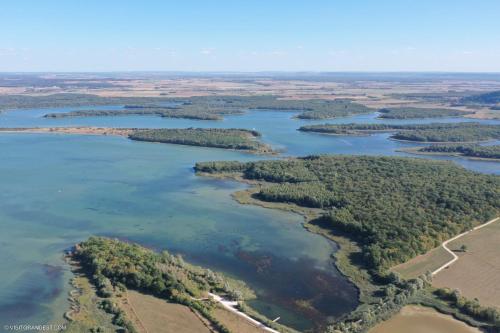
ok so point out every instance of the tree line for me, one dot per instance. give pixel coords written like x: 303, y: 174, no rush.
x: 166, y: 112
x: 412, y: 112
x: 335, y: 109
x: 489, y: 98
x: 492, y: 151
x: 195, y: 107
x: 71, y: 100
x: 240, y: 139
x: 435, y: 132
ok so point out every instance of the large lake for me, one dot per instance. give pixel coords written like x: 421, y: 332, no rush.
x: 56, y: 190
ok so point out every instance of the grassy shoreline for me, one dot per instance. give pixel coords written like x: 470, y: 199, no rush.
x: 347, y: 248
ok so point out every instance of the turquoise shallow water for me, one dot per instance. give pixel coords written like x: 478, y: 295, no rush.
x: 59, y: 189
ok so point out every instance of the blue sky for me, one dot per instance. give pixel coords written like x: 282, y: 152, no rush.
x: 256, y: 35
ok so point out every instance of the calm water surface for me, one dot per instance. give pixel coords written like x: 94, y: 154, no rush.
x: 57, y: 190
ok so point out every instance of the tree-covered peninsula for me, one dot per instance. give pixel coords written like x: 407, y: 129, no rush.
x: 166, y: 112
x: 334, y: 109
x: 474, y: 151
x: 238, y: 139
x: 435, y: 132
x: 488, y: 98
x: 60, y: 100
x: 227, y: 138
x: 413, y: 113
x: 396, y: 208
x: 115, y: 266
x: 391, y: 208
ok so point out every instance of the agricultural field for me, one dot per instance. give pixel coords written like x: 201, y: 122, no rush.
x: 421, y: 264
x: 475, y: 274
x: 477, y: 271
x: 416, y: 319
x: 153, y: 314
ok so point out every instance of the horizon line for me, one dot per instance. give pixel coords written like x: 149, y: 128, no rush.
x: 254, y: 72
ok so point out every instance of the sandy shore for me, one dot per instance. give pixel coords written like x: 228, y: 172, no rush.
x: 72, y: 130
x: 264, y: 149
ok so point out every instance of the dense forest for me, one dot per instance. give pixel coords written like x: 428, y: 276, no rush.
x: 435, y: 132
x: 492, y: 151
x: 335, y: 109
x: 167, y: 112
x: 489, y: 98
x: 349, y: 129
x: 396, y: 208
x: 70, y: 100
x: 195, y: 107
x: 410, y: 113
x: 448, y: 97
x: 114, y: 264
x: 458, y: 133
x: 240, y: 139
x: 310, y: 107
